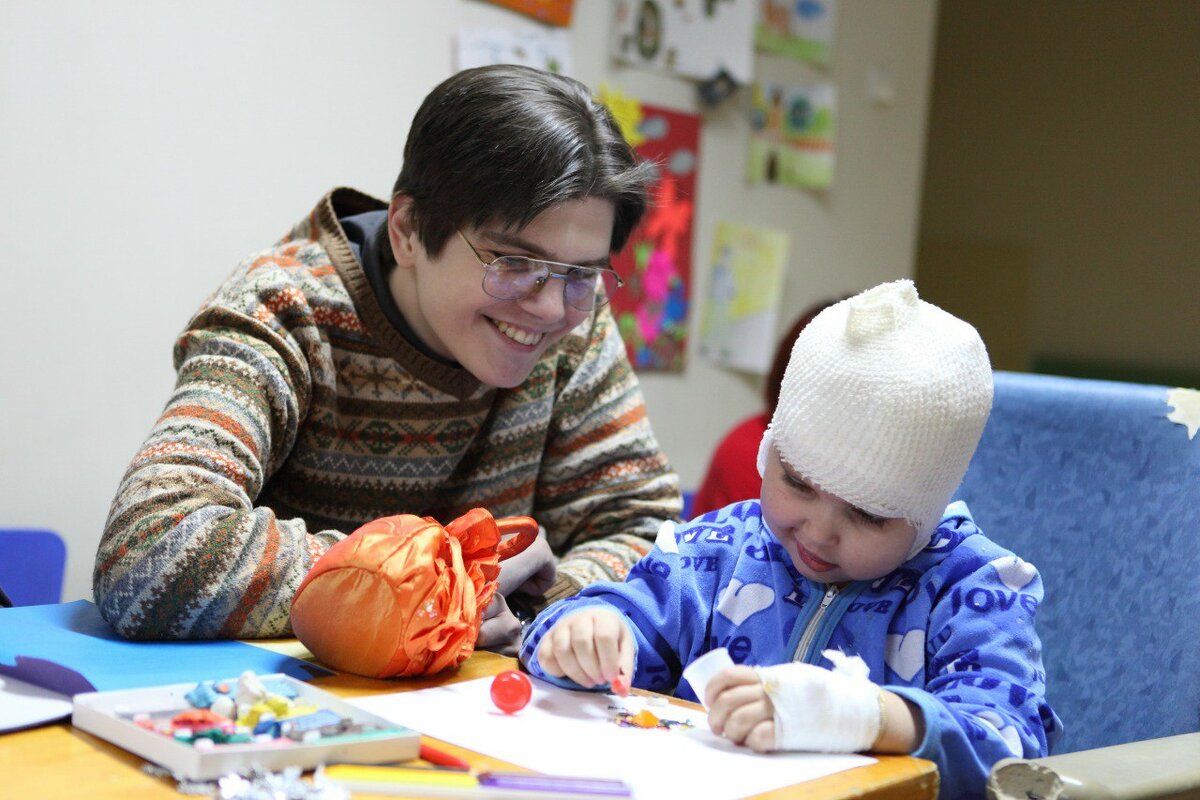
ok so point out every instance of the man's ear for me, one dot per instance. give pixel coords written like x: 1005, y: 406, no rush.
x: 401, y: 232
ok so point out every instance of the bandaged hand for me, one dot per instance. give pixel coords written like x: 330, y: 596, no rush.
x: 531, y: 571
x: 739, y: 709
x: 821, y: 710
x: 590, y: 647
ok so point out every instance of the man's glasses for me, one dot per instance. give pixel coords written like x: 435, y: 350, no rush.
x: 518, y: 277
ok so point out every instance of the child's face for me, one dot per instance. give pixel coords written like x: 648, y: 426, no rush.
x: 829, y: 540
x: 497, y: 341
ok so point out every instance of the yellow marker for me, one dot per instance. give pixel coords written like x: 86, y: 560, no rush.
x: 362, y: 778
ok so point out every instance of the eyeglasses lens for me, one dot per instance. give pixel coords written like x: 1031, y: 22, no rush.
x: 517, y: 278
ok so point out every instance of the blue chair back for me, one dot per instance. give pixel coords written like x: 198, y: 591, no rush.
x: 1090, y: 481
x: 32, y: 564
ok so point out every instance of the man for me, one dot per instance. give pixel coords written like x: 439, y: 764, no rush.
x: 451, y: 349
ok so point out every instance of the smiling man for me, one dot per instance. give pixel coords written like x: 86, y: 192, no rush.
x: 448, y: 350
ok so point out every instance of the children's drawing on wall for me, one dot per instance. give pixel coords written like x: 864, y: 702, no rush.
x: 792, y: 138
x: 692, y: 38
x: 546, y: 49
x: 802, y: 29
x: 738, y: 329
x: 651, y: 310
x: 553, y: 12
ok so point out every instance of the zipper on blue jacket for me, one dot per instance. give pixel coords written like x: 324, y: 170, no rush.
x: 824, y: 620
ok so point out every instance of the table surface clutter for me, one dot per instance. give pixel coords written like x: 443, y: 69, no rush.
x: 60, y: 759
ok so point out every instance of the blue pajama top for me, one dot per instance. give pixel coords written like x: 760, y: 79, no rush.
x: 951, y: 629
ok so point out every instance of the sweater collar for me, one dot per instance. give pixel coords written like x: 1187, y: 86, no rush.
x: 345, y: 202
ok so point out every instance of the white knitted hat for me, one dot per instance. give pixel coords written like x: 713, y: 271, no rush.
x: 883, y: 402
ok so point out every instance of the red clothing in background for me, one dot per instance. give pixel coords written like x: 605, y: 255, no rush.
x: 733, y: 472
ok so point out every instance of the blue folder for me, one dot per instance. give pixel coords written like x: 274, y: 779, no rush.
x: 69, y: 648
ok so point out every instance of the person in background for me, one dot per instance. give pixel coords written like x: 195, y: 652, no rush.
x: 860, y: 611
x: 448, y: 349
x: 731, y: 473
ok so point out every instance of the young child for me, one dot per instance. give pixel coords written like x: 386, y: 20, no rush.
x: 449, y: 349
x: 851, y: 553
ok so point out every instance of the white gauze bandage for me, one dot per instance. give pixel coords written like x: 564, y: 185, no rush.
x: 820, y: 710
x: 883, y: 402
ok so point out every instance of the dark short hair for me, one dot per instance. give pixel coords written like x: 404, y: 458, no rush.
x: 504, y: 143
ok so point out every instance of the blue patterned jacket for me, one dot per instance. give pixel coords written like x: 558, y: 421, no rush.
x: 952, y: 629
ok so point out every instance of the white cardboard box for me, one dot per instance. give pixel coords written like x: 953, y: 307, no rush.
x: 109, y: 716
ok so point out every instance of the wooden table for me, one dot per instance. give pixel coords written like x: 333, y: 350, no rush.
x: 58, y: 761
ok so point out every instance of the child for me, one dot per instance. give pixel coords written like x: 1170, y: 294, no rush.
x: 851, y: 553
x: 450, y: 349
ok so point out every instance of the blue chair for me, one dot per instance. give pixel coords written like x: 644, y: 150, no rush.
x: 1090, y: 481
x: 32, y: 564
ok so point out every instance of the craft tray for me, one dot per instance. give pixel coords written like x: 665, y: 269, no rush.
x: 109, y: 716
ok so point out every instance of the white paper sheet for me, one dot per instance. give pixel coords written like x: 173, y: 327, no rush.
x: 562, y: 732
x: 545, y: 49
x: 692, y: 38
x: 23, y: 705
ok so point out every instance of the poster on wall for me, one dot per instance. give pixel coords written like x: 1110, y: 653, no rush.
x: 791, y: 140
x: 691, y: 38
x: 553, y: 12
x: 742, y: 308
x: 802, y: 29
x: 478, y: 47
x: 652, y: 309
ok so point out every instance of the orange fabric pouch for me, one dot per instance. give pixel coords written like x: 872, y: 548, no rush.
x: 403, y: 595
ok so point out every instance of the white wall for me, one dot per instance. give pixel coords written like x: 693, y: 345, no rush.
x: 147, y: 146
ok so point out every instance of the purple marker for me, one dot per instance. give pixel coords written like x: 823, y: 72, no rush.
x: 555, y: 784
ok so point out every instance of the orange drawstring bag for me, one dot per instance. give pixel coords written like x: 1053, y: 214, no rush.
x: 404, y: 596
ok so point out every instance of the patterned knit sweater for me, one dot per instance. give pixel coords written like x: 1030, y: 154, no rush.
x: 300, y: 413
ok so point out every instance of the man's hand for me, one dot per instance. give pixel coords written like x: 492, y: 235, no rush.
x: 500, y: 630
x: 740, y: 710
x: 591, y: 647
x: 531, y: 571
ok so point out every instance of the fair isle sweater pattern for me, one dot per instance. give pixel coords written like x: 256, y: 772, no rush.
x: 299, y: 414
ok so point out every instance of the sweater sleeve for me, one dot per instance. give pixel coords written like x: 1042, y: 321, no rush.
x: 984, y: 694
x: 605, y: 485
x: 186, y: 553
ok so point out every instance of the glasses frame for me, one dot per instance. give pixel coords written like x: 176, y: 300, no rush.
x: 599, y: 298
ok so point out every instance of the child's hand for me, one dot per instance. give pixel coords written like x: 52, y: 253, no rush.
x: 740, y: 710
x: 590, y: 647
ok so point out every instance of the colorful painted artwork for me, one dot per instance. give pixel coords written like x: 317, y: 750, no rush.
x: 652, y: 309
x: 748, y: 264
x: 553, y: 12
x: 693, y: 38
x: 547, y: 49
x: 792, y: 138
x: 802, y: 29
